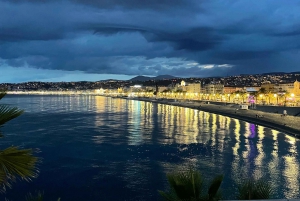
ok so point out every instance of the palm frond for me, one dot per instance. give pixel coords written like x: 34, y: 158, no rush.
x: 8, y: 113
x: 2, y: 93
x: 263, y: 190
x: 39, y: 196
x: 186, y: 185
x: 214, y: 187
x: 254, y: 189
x: 169, y: 196
x: 17, y: 163
x: 4, y: 180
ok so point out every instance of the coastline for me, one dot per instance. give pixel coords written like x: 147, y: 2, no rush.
x: 286, y: 124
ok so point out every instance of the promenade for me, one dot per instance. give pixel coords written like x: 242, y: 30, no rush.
x: 287, y: 124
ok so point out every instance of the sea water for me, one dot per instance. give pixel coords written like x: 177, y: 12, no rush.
x: 99, y: 148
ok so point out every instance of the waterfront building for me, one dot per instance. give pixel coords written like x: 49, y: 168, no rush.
x: 252, y: 89
x: 182, y: 83
x: 230, y: 90
x: 214, y: 89
x: 269, y: 87
x: 193, y: 88
x: 100, y: 91
x: 284, y: 87
x: 163, y: 89
x: 297, y: 88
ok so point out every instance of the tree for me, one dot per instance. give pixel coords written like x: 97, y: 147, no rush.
x: 188, y: 186
x: 283, y: 95
x: 243, y: 94
x: 255, y: 94
x: 15, y: 163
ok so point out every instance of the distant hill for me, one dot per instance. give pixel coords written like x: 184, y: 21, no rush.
x: 274, y: 73
x: 280, y: 73
x: 145, y: 78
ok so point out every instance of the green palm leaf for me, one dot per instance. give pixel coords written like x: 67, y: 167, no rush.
x: 263, y: 190
x: 214, y: 188
x: 188, y: 186
x: 16, y: 163
x: 254, y: 190
x: 8, y: 113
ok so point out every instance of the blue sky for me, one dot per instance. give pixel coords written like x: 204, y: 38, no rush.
x: 74, y: 40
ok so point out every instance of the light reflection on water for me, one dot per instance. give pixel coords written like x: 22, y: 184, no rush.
x: 135, y: 143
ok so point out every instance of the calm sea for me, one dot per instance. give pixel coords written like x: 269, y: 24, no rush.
x: 96, y: 148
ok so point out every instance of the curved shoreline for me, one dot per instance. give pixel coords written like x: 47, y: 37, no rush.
x: 288, y: 124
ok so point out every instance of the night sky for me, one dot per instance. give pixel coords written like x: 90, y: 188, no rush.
x: 59, y: 40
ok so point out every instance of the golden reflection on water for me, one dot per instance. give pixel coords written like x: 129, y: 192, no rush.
x: 260, y: 152
x: 246, y: 142
x: 274, y: 164
x: 291, y: 167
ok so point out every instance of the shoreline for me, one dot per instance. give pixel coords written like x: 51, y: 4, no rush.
x: 288, y: 124
x: 285, y: 124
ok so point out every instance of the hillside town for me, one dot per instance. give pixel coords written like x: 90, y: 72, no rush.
x: 267, y: 89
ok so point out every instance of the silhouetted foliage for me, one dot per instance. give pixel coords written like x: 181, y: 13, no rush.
x: 254, y: 190
x: 14, y: 162
x: 189, y: 186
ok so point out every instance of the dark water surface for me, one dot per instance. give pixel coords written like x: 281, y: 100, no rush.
x: 97, y: 148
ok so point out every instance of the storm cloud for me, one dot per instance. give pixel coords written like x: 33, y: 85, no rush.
x: 133, y: 37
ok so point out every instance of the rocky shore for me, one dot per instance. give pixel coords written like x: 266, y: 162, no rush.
x: 287, y: 124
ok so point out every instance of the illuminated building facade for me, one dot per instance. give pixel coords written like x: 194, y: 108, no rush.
x: 214, y: 89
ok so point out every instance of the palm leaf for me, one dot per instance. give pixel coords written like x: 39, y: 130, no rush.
x: 184, y: 186
x: 38, y: 197
x: 214, y: 187
x: 8, y: 113
x: 169, y: 196
x: 2, y: 93
x: 254, y: 189
x: 16, y: 163
x: 263, y: 190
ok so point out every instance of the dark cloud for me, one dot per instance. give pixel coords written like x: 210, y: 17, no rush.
x: 20, y: 34
x: 137, y: 4
x: 180, y: 37
x: 128, y: 4
x: 196, y: 39
x: 243, y: 55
